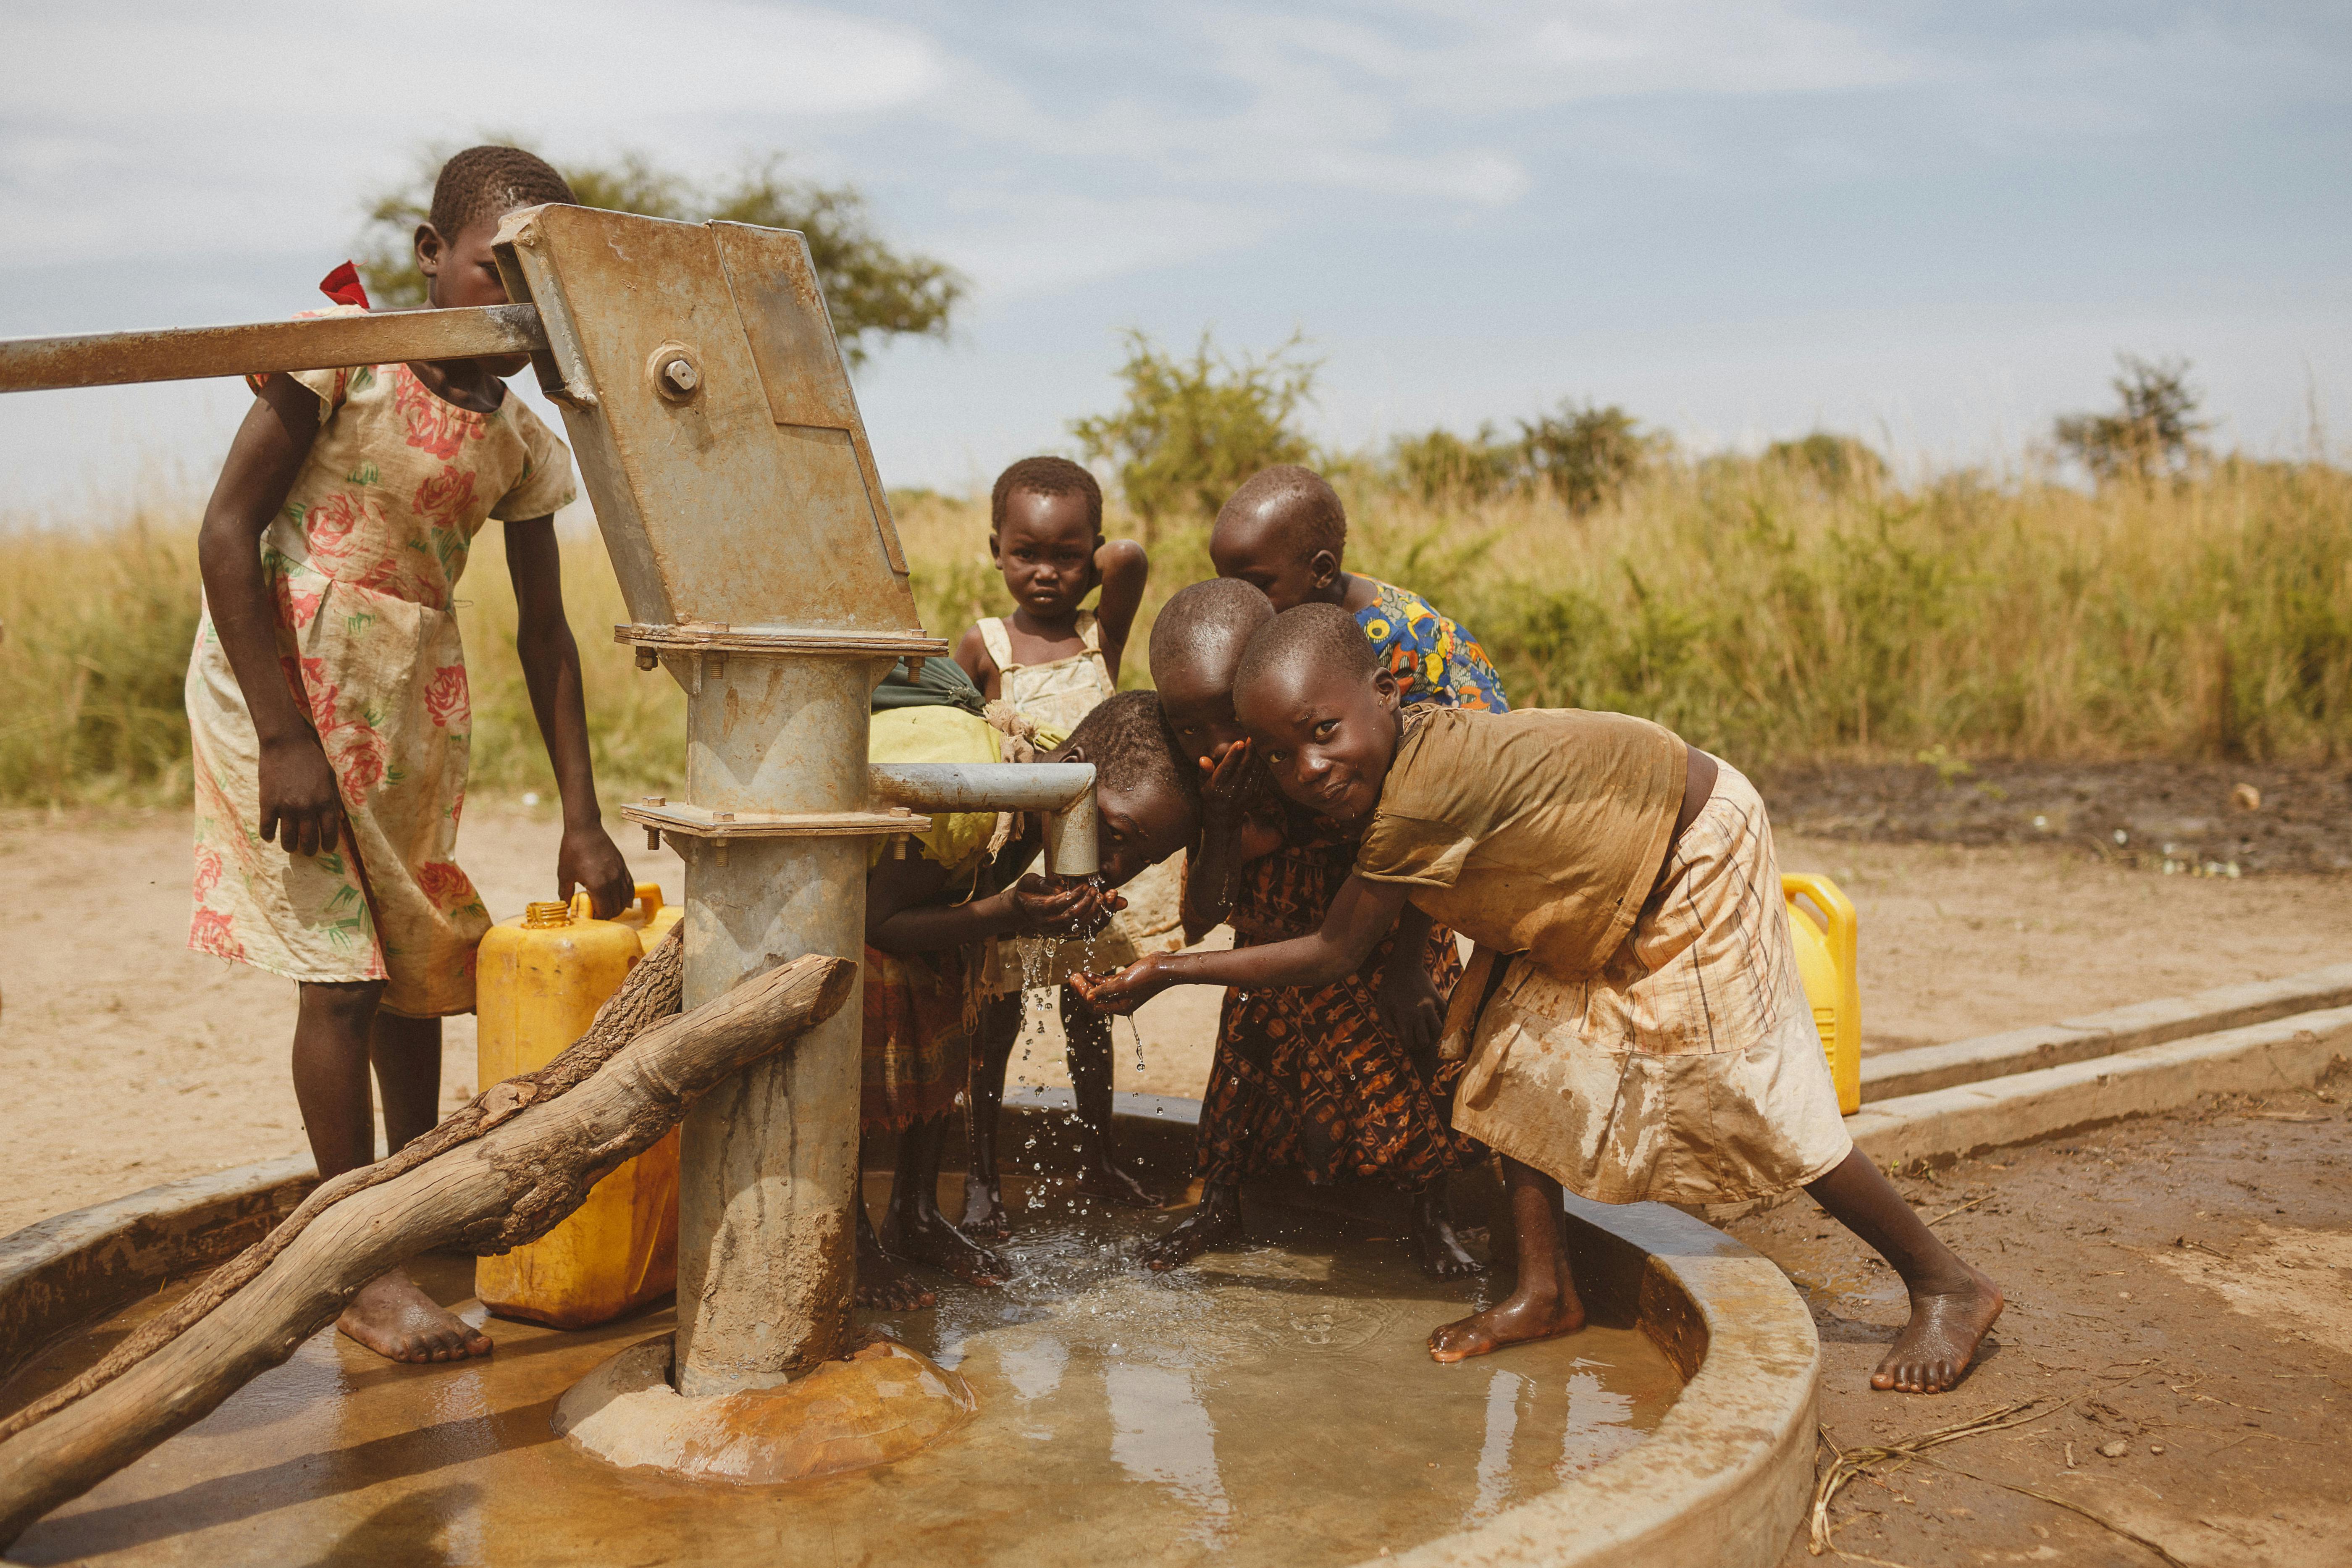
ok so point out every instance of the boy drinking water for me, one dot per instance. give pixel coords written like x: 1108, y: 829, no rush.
x: 1338, y: 1081
x: 1054, y: 662
x: 327, y: 705
x: 928, y: 917
x: 1335, y: 1081
x: 1634, y: 1024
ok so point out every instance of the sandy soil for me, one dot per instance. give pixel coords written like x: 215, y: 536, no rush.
x: 130, y: 1061
x: 2179, y: 1315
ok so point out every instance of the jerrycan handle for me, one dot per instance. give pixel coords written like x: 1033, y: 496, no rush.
x: 648, y: 899
x: 1838, y: 909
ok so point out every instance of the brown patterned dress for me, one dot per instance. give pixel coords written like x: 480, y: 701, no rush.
x: 1311, y: 1080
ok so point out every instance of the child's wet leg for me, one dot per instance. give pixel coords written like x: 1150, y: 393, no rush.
x: 1088, y: 1033
x: 915, y: 1229
x: 883, y: 1285
x: 1442, y: 1253
x: 1953, y: 1304
x: 984, y: 1216
x: 1216, y: 1223
x: 1543, y: 1302
x: 337, y: 1030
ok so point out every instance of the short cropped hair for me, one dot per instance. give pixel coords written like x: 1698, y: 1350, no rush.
x: 486, y: 182
x: 1046, y: 477
x: 1207, y: 621
x: 1323, y: 638
x: 1127, y: 738
x: 1308, y: 506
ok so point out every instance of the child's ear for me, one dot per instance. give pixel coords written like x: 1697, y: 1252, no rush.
x: 1384, y: 687
x: 1325, y: 565
x: 993, y: 554
x: 430, y: 248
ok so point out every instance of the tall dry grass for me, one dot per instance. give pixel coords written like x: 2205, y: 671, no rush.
x: 1758, y: 613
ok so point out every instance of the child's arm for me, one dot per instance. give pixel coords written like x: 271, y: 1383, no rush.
x: 1359, y: 917
x: 971, y: 652
x: 1409, y: 1002
x: 300, y: 805
x: 551, y: 668
x: 1230, y: 839
x: 903, y: 913
x: 1123, y: 569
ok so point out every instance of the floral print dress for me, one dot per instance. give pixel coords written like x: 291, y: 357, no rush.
x: 361, y: 566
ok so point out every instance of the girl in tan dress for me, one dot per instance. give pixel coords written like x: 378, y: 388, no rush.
x: 1648, y: 1036
x: 327, y: 705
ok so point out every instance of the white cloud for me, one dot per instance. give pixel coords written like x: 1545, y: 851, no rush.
x: 1020, y: 244
x: 226, y: 127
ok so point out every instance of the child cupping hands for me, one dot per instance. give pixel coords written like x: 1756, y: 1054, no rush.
x: 1634, y: 1024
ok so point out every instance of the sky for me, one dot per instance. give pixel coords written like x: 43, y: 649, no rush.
x: 1934, y: 225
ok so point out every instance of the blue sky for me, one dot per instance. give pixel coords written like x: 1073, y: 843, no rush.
x: 1931, y: 225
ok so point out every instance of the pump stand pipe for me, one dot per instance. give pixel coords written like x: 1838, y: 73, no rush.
x: 1064, y: 791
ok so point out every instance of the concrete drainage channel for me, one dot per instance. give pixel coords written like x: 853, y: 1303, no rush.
x: 1724, y: 1478
x: 1936, y: 1103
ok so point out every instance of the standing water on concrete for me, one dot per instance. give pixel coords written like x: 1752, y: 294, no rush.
x: 1273, y: 1404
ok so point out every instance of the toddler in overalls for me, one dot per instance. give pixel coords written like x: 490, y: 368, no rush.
x: 1054, y: 663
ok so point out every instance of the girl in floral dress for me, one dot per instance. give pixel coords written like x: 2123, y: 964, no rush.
x: 327, y: 701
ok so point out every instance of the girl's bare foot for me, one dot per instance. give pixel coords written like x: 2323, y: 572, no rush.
x: 932, y: 1240
x: 1535, y: 1311
x: 1442, y: 1255
x: 1108, y: 1181
x: 1935, y: 1348
x: 882, y: 1285
x: 1216, y: 1223
x: 394, y: 1317
x: 984, y: 1218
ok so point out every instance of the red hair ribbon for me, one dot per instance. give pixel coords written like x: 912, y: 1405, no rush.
x: 344, y: 288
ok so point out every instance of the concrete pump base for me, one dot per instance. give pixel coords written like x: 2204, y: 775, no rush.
x: 883, y: 1404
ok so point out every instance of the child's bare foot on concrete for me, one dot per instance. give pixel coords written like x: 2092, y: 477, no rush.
x: 932, y: 1240
x: 984, y: 1218
x: 1442, y: 1253
x: 1217, y: 1223
x: 1108, y: 1181
x: 1933, y: 1352
x: 393, y: 1317
x: 883, y: 1286
x: 1535, y: 1311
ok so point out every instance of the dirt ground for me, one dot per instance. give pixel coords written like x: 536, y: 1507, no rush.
x: 132, y: 1061
x: 2178, y: 1342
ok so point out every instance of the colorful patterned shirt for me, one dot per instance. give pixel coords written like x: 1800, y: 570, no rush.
x: 1433, y: 660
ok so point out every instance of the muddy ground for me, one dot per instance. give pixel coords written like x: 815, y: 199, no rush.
x: 2177, y: 1341
x: 2192, y: 818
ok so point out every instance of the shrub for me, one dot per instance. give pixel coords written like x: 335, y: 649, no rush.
x: 1190, y: 430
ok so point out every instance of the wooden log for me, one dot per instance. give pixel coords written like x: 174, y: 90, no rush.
x: 650, y: 992
x: 509, y: 1186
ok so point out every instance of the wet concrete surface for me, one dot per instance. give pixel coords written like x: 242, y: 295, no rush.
x: 1274, y: 1404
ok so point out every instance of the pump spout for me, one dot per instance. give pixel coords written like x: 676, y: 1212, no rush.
x: 1064, y: 791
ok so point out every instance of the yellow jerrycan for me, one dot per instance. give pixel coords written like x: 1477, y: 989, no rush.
x: 539, y: 982
x: 1824, y: 938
